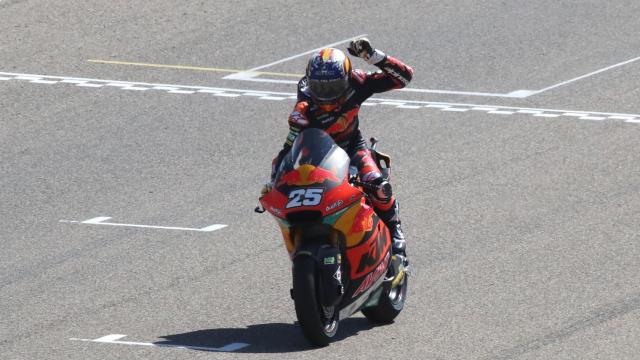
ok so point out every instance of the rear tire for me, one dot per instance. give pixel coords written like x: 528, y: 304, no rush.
x: 390, y: 304
x: 319, y: 325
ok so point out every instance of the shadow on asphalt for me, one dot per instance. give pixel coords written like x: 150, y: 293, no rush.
x: 263, y: 338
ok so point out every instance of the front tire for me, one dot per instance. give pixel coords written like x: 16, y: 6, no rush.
x: 319, y: 324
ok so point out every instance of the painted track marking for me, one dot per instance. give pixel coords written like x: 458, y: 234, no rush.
x: 279, y: 96
x: 252, y: 75
x: 115, y: 339
x: 100, y: 220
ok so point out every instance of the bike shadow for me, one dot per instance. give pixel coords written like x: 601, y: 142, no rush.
x: 262, y: 338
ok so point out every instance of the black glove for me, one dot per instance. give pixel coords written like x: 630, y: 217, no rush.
x: 362, y: 48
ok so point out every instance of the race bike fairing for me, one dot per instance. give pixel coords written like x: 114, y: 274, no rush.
x: 314, y: 159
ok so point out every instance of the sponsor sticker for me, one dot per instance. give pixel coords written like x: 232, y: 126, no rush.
x: 334, y: 205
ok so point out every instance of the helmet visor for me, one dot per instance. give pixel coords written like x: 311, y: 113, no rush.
x: 329, y: 90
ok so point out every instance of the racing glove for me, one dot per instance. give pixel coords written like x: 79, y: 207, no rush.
x: 362, y: 48
x: 266, y: 188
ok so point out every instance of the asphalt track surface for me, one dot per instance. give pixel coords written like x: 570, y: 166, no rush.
x: 522, y: 222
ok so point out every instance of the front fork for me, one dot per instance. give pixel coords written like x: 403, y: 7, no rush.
x: 329, y: 269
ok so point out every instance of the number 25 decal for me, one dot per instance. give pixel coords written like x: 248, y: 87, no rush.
x: 304, y: 197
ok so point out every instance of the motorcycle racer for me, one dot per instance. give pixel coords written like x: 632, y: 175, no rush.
x: 329, y: 98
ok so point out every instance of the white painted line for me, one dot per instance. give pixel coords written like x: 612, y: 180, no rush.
x: 5, y: 78
x: 28, y: 77
x: 479, y: 108
x: 636, y: 121
x: 595, y: 118
x: 213, y: 227
x: 89, y: 85
x: 438, y: 106
x: 115, y: 339
x: 230, y: 92
x: 587, y: 75
x: 188, y: 92
x: 392, y: 103
x: 166, y: 88
x: 409, y: 107
x: 547, y: 115
x: 110, y: 338
x: 455, y: 109
x: 305, y: 53
x: 46, y: 82
x: 529, y: 111
x: 100, y: 220
x: 73, y: 81
x: 207, y: 91
x: 255, y: 94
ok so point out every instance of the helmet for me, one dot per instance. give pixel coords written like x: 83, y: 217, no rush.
x: 328, y: 73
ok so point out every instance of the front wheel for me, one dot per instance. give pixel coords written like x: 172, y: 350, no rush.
x: 319, y: 324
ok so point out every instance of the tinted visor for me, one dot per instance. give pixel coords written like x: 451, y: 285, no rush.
x: 329, y: 90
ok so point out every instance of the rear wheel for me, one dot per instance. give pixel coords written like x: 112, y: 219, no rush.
x: 390, y: 304
x: 319, y: 324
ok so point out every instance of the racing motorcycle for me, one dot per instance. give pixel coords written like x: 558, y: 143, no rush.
x: 339, y: 247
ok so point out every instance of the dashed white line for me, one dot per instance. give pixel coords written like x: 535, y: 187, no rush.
x: 392, y: 103
x: 616, y: 117
x: 115, y: 339
x: 280, y: 96
x: 529, y: 111
x: 101, y: 220
x: 574, y: 114
x: 595, y: 118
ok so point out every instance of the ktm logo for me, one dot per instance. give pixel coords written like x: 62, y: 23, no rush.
x: 371, y: 257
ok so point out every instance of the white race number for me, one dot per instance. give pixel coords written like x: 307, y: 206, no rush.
x: 304, y: 197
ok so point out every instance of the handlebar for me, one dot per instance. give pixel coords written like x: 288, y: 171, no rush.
x: 365, y: 185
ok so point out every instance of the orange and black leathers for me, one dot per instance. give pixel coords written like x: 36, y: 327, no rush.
x: 342, y: 122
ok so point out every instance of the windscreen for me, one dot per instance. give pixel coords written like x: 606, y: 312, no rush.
x: 314, y: 159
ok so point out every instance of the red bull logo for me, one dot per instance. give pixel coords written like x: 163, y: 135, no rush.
x: 307, y: 175
x: 363, y: 220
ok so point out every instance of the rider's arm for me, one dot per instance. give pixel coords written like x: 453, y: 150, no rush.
x: 393, y: 74
x: 297, y: 121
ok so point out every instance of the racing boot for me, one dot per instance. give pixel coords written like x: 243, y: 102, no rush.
x: 391, y: 218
